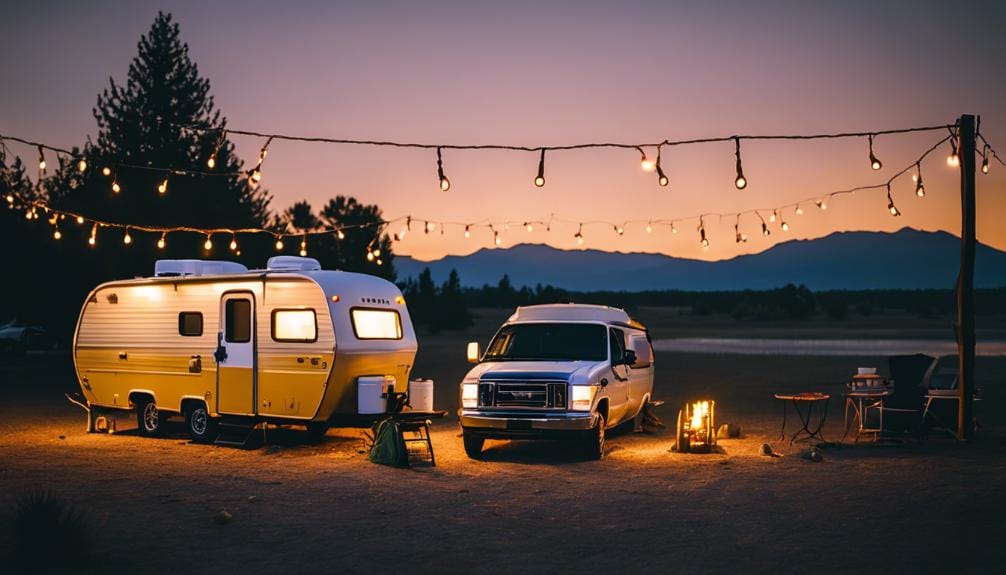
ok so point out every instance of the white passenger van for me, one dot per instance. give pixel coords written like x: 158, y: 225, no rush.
x: 215, y: 342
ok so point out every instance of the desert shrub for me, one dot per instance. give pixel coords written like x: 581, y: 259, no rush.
x: 47, y: 532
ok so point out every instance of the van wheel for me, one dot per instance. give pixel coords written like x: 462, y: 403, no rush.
x: 201, y: 427
x: 473, y: 445
x: 149, y: 420
x: 316, y: 431
x: 593, y: 446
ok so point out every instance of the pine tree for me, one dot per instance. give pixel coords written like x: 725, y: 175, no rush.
x: 451, y: 309
x: 145, y: 122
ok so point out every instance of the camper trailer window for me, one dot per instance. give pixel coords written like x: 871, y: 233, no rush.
x: 376, y: 323
x: 238, y: 325
x: 296, y: 325
x: 190, y: 323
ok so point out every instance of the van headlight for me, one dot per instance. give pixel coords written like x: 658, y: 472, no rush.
x: 469, y: 395
x: 583, y: 397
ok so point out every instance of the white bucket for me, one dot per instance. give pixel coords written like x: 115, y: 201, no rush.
x: 421, y: 394
x: 369, y: 390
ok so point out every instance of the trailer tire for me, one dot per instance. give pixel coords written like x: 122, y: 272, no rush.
x: 473, y: 445
x: 593, y: 446
x: 149, y: 420
x: 316, y: 430
x: 201, y: 427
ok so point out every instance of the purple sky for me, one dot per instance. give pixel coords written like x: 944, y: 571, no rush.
x: 537, y: 73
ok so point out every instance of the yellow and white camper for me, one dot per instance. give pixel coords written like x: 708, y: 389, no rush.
x: 214, y: 341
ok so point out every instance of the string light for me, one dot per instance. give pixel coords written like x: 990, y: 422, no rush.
x: 539, y: 180
x: 279, y: 243
x: 445, y: 184
x: 579, y: 235
x: 649, y: 227
x: 116, y: 188
x: 211, y: 162
x: 674, y: 230
x: 702, y: 234
x: 799, y: 210
x: 528, y: 227
x: 645, y: 162
x: 303, y: 246
x: 823, y: 204
x: 953, y: 160
x: 784, y: 226
x: 162, y: 188
x: 370, y: 256
x: 468, y: 232
x: 430, y: 226
x: 162, y: 241
x: 208, y: 244
x: 93, y: 240
x: 340, y: 234
x: 985, y: 159
x: 764, y: 226
x: 41, y: 159
x: 890, y: 203
x: 920, y: 190
x: 874, y: 162
x: 82, y: 165
x: 234, y: 243
x: 661, y: 177
x: 496, y: 238
x: 127, y: 239
x: 80, y: 219
x: 106, y: 171
x: 741, y: 182
x: 741, y: 238
x: 56, y: 234
x: 772, y: 218
x: 619, y: 229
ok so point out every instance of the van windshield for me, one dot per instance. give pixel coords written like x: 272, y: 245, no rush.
x: 549, y: 341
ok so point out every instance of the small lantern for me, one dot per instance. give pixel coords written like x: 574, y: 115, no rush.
x: 696, y: 432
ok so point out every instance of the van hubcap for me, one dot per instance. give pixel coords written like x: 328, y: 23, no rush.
x: 198, y: 421
x: 150, y: 417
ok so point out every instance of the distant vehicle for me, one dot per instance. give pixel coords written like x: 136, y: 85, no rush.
x: 16, y: 337
x: 218, y: 343
x: 557, y: 371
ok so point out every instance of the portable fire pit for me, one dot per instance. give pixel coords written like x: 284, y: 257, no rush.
x: 696, y: 432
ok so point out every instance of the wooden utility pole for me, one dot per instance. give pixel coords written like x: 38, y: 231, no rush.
x: 966, y: 282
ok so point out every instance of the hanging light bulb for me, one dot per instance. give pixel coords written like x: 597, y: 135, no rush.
x: 82, y: 165
x: 234, y: 243
x: 93, y: 240
x: 661, y: 177
x: 645, y: 162
x: 496, y: 238
x: 430, y: 226
x: 890, y: 203
x: 339, y: 234
x: 208, y: 244
x: 41, y: 159
x: 579, y: 235
x: 468, y: 232
x: 823, y: 204
x: 303, y: 246
x: 741, y: 238
x: 162, y: 241
x: 10, y: 198
x: 649, y: 227
x: 377, y: 252
x: 370, y: 256
x: 379, y: 262
x: 953, y: 160
x: 920, y: 190
x: 741, y: 182
x: 80, y: 219
x: 528, y: 227
x: 279, y: 243
x: 619, y: 230
x: 445, y: 184
x: 401, y: 233
x: 784, y: 226
x: 772, y: 218
x: 211, y: 162
x: 162, y: 188
x: 985, y: 159
x: 799, y: 210
x: 56, y: 234
x: 116, y: 188
x: 874, y: 162
x: 539, y: 180
x: 764, y: 229
x: 127, y: 239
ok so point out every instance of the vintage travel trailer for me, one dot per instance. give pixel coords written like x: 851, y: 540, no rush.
x: 220, y: 344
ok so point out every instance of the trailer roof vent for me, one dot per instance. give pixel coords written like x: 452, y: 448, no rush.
x: 175, y: 268
x: 293, y: 263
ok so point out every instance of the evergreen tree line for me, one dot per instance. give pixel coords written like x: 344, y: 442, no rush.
x: 436, y: 308
x: 142, y: 122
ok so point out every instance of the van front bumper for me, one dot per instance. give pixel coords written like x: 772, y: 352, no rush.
x: 506, y: 425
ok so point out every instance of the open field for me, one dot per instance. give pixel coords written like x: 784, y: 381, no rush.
x: 923, y: 507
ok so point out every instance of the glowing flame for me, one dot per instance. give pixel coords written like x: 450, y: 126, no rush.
x: 700, y: 411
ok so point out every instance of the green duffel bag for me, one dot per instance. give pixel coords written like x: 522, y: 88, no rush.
x: 389, y: 446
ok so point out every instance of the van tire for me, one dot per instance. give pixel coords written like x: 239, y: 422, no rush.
x: 149, y: 419
x: 594, y: 441
x: 316, y: 430
x: 473, y: 445
x: 201, y: 427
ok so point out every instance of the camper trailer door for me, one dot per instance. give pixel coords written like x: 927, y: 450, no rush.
x: 236, y: 354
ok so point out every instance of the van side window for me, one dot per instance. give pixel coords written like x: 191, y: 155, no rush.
x: 294, y: 325
x: 237, y: 328
x: 190, y: 323
x: 617, y: 343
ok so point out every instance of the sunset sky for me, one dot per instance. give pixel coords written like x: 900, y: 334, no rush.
x: 556, y: 73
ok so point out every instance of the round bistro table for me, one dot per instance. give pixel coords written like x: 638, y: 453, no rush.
x: 812, y: 401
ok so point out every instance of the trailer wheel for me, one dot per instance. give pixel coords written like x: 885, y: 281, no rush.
x: 593, y: 446
x: 201, y: 427
x: 316, y: 431
x: 149, y: 420
x: 473, y: 445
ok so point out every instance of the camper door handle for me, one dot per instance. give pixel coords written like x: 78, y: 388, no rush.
x: 220, y: 354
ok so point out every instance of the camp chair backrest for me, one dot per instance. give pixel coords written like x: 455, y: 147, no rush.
x: 945, y: 378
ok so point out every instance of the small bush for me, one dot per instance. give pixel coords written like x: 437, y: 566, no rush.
x: 48, y: 532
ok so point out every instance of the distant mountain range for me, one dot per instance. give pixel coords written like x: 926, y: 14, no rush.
x: 908, y: 258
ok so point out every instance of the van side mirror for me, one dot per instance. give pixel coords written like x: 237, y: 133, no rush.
x: 630, y: 357
x: 473, y: 352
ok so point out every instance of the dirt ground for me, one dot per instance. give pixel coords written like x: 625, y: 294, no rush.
x: 923, y: 507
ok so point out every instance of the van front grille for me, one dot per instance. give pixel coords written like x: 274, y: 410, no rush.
x: 523, y: 394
